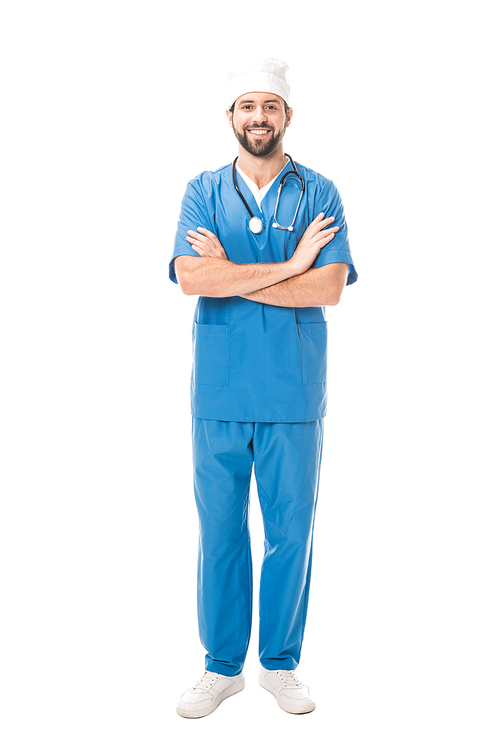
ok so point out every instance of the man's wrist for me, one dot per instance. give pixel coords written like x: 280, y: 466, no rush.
x: 293, y: 268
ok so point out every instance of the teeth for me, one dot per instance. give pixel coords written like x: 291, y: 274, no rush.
x: 259, y: 132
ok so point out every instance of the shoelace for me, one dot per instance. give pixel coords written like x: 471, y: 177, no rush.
x: 289, y: 679
x: 206, y: 681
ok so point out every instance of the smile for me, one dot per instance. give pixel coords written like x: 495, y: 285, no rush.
x: 259, y: 132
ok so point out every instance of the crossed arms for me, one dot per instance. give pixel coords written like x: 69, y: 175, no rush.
x: 292, y: 283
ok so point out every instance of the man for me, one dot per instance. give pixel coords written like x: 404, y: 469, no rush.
x: 261, y: 251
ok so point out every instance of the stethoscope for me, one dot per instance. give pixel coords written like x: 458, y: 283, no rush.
x: 255, y: 224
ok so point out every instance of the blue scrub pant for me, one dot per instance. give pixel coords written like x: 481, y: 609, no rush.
x: 286, y: 459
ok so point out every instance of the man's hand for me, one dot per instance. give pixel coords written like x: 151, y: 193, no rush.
x: 315, y: 237
x: 206, y: 243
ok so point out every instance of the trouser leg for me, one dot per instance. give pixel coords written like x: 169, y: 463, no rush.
x: 287, y: 468
x: 222, y: 466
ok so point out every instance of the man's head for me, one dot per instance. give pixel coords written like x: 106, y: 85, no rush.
x: 259, y: 110
x: 259, y: 121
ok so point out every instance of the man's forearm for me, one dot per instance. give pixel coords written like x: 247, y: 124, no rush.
x: 314, y: 288
x: 216, y: 277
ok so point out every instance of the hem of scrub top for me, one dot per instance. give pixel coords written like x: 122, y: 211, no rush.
x: 261, y: 421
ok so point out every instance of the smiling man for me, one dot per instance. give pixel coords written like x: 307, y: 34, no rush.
x: 263, y: 243
x: 263, y: 140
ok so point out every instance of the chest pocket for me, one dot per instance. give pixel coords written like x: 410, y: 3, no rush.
x: 313, y: 346
x: 211, y: 350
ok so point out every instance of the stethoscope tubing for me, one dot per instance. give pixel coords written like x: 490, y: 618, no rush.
x: 255, y: 220
x: 239, y: 191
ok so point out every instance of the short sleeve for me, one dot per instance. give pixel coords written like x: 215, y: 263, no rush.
x: 193, y: 214
x: 337, y: 250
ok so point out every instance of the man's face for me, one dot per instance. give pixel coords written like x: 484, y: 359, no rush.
x: 259, y: 122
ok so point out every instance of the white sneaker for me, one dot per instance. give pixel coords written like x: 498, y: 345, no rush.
x: 208, y: 693
x: 291, y: 695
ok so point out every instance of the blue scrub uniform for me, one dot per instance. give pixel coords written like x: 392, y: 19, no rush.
x: 258, y: 397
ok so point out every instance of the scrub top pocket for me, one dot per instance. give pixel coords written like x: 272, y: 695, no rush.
x: 313, y: 345
x: 211, y: 349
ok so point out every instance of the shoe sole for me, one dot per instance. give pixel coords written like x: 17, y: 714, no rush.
x: 203, y: 711
x: 309, y: 709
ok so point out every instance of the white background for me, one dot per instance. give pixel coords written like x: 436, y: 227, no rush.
x: 108, y: 109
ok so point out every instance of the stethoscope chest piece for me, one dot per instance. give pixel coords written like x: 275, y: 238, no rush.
x: 255, y: 225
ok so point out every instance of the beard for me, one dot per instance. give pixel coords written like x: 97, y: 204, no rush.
x: 259, y: 148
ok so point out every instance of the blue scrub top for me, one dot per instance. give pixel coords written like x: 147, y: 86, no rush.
x: 255, y: 361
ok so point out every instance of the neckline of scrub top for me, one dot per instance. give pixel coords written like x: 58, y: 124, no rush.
x: 259, y: 195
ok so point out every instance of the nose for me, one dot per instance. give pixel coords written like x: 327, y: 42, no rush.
x: 260, y: 114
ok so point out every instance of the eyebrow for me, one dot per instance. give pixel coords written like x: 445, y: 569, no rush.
x: 267, y: 101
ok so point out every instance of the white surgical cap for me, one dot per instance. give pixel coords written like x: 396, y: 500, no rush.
x: 269, y: 75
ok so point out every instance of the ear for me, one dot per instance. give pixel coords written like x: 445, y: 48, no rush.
x: 229, y: 116
x: 289, y: 117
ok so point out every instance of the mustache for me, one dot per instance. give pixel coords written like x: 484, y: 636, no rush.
x: 258, y: 127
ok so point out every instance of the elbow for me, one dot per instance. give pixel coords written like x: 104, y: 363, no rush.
x: 185, y: 274
x: 185, y: 283
x: 333, y: 298
x: 334, y: 294
x: 335, y: 282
